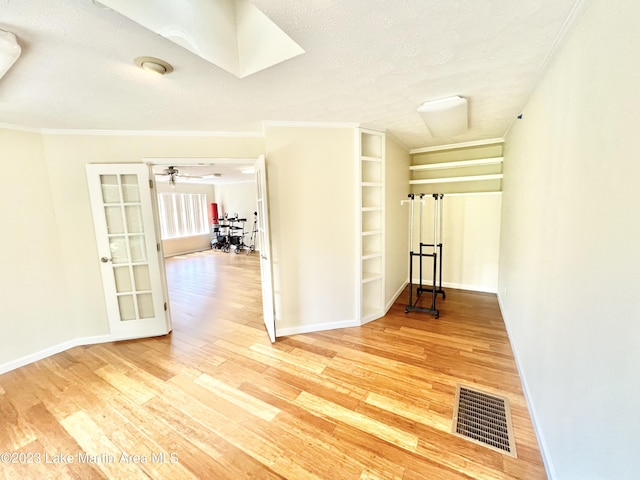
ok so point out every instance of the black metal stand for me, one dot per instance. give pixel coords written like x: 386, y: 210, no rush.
x: 436, y: 255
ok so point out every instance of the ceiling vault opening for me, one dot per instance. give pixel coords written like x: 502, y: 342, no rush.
x: 232, y: 34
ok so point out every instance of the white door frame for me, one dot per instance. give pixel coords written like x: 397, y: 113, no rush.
x: 189, y: 161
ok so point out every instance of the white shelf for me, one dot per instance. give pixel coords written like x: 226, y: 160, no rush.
x: 368, y: 277
x: 458, y: 164
x: 368, y: 233
x: 372, y: 254
x: 457, y: 146
x: 371, y: 159
x: 371, y: 209
x: 371, y: 184
x: 470, y: 178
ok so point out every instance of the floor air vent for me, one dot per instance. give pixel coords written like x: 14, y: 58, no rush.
x: 484, y: 419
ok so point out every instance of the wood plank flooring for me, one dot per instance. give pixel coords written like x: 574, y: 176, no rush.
x: 216, y: 400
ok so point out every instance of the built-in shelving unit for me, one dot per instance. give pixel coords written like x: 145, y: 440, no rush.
x: 468, y: 178
x: 460, y: 164
x: 371, y: 163
x: 463, y: 168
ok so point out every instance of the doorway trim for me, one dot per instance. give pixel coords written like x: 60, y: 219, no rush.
x: 188, y: 161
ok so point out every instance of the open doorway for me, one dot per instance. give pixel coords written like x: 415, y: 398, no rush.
x: 205, y: 283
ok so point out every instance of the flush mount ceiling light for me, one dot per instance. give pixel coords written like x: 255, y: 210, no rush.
x: 445, y: 117
x: 9, y: 51
x: 232, y: 34
x: 155, y: 65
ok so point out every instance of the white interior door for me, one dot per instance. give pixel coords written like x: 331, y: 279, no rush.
x: 265, y: 249
x: 128, y: 250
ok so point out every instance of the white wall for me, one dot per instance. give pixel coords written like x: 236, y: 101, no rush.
x: 570, y: 256
x: 470, y: 240
x: 396, y: 219
x: 36, y: 310
x: 237, y: 198
x: 311, y: 181
x: 240, y: 199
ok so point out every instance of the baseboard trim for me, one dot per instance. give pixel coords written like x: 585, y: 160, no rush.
x: 395, y: 297
x: 315, y: 327
x: 461, y: 286
x: 47, y: 352
x: 187, y: 252
x: 544, y: 449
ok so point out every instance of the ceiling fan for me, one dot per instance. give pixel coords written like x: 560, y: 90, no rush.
x: 173, y: 173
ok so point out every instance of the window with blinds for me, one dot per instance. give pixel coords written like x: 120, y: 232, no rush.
x: 183, y: 214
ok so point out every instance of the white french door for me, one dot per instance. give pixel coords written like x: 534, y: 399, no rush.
x: 128, y: 250
x: 265, y: 248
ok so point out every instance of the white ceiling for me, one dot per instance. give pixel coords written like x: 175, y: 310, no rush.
x: 368, y: 62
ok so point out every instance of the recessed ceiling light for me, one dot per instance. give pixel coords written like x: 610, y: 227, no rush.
x: 152, y: 64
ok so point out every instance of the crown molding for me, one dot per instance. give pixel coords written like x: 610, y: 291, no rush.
x: 19, y: 128
x: 130, y: 133
x: 293, y: 124
x: 150, y: 133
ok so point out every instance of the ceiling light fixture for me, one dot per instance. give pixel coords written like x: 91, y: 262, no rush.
x: 446, y: 117
x: 172, y: 173
x: 9, y: 51
x: 155, y: 65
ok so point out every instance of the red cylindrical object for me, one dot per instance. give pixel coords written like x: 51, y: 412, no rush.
x: 214, y: 213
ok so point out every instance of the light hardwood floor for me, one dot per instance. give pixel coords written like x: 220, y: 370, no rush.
x: 220, y: 402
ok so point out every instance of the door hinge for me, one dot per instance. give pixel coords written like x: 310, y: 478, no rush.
x: 150, y: 183
x: 157, y: 246
x: 165, y: 306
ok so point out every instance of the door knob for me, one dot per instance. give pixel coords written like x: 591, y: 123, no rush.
x: 105, y: 259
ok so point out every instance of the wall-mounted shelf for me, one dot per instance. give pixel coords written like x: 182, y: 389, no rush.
x: 463, y: 168
x: 470, y: 178
x: 460, y: 164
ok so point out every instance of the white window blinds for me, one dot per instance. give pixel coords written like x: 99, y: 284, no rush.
x: 183, y: 214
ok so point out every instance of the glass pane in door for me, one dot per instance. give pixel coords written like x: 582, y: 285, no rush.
x: 127, y: 308
x: 134, y: 218
x: 130, y: 190
x: 110, y: 188
x: 119, y: 249
x: 145, y: 305
x: 123, y: 279
x: 114, y: 219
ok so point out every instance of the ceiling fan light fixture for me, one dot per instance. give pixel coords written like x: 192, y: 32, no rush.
x: 445, y: 117
x: 9, y: 51
x: 172, y: 180
x: 153, y: 65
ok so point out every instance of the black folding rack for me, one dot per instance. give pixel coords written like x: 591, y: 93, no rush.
x: 436, y: 254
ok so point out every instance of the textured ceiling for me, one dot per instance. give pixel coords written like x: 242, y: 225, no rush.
x: 370, y: 62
